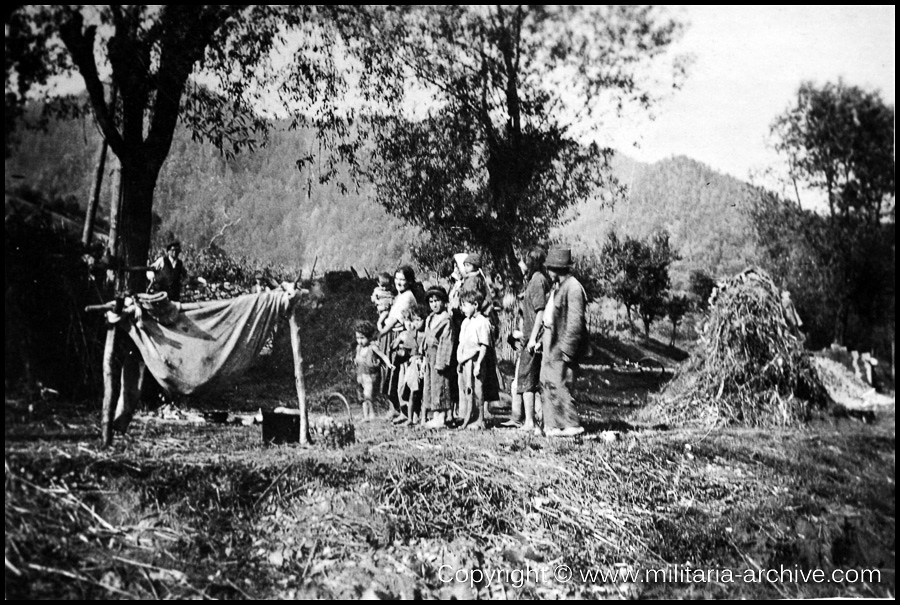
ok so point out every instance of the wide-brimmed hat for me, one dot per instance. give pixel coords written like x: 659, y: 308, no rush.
x: 438, y: 292
x: 559, y: 258
x: 474, y: 260
x: 173, y: 244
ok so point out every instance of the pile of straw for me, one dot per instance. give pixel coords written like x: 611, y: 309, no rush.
x: 752, y: 369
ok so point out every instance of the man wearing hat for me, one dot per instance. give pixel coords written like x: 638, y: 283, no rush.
x: 565, y: 342
x: 168, y: 272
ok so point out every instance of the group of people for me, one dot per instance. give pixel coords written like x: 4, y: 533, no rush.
x: 432, y: 353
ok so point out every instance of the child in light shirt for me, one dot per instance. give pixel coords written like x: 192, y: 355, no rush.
x: 475, y: 360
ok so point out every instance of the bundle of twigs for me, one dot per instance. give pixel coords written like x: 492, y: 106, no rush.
x: 753, y: 369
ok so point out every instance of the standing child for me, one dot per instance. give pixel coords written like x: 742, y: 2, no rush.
x: 438, y: 392
x: 409, y: 349
x: 383, y: 298
x: 369, y: 358
x: 476, y: 362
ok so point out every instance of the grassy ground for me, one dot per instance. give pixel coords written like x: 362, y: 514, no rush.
x: 180, y: 509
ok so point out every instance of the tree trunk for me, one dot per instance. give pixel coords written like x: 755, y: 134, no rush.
x: 135, y: 220
x: 630, y: 319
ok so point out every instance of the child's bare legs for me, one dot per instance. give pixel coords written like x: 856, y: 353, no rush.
x: 365, y: 389
x: 414, y: 410
x: 528, y: 401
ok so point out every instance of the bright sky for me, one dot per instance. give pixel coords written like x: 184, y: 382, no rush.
x: 749, y: 63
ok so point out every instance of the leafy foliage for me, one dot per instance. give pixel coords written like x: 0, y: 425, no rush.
x: 498, y: 161
x: 837, y: 139
x: 701, y: 287
x: 154, y: 55
x: 637, y: 274
x: 840, y: 139
x: 49, y: 341
x: 704, y: 211
x: 677, y: 306
x: 259, y: 205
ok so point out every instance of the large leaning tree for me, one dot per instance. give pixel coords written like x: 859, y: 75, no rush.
x: 212, y: 67
x: 485, y: 119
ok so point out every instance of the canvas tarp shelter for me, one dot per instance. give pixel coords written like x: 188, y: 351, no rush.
x: 187, y: 347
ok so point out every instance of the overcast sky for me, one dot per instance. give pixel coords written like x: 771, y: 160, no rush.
x: 749, y: 63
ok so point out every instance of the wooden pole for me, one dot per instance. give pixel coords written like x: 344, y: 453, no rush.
x: 112, y: 369
x: 298, y: 373
x: 94, y: 202
x: 112, y: 365
x: 95, y: 197
x: 115, y: 203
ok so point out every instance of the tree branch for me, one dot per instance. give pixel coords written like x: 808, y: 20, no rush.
x: 80, y: 43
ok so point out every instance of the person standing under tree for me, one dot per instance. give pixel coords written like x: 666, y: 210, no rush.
x: 369, y: 360
x: 528, y: 369
x: 476, y: 363
x: 440, y: 381
x: 565, y: 342
x: 168, y: 273
x: 404, y: 283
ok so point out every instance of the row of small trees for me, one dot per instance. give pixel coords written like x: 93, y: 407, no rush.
x: 635, y: 273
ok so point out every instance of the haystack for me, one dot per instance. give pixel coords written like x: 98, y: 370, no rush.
x: 752, y: 369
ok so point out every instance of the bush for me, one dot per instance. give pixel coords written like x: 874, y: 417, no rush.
x: 50, y: 341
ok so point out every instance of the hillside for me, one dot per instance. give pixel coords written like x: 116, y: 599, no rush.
x: 265, y: 208
x: 699, y: 207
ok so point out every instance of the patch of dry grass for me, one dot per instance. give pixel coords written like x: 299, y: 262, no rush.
x: 208, y: 511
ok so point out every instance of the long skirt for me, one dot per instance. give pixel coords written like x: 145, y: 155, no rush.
x: 438, y: 393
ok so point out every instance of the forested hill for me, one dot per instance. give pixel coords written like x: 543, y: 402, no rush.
x: 262, y: 206
x: 259, y: 205
x: 703, y: 211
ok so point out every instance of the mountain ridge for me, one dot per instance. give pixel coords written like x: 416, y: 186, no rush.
x: 260, y: 205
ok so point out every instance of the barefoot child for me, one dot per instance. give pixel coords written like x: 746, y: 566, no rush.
x: 475, y: 362
x: 437, y: 391
x: 369, y: 358
x: 409, y: 348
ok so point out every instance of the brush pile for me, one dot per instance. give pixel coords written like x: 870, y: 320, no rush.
x: 752, y: 369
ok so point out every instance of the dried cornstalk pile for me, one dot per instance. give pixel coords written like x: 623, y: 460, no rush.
x: 753, y: 369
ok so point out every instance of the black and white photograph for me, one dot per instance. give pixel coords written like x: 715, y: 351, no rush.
x: 457, y: 302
